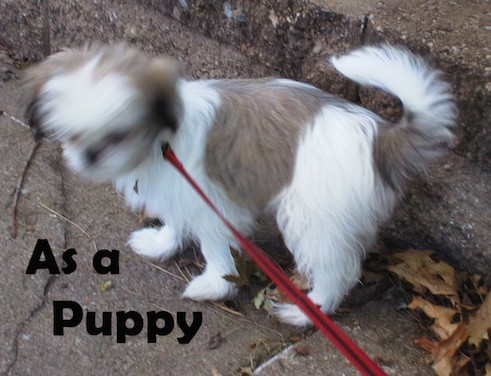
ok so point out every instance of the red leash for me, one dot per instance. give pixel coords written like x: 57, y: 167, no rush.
x: 350, y: 350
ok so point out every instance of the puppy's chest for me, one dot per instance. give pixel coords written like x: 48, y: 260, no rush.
x: 157, y: 190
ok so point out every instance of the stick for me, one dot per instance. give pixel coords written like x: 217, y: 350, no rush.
x: 18, y: 189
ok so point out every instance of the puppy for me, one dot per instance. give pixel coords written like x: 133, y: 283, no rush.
x: 329, y: 171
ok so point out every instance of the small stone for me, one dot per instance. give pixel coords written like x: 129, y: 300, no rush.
x: 317, y: 48
x: 106, y: 285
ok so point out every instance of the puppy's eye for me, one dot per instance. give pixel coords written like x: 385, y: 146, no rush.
x: 92, y: 155
x: 74, y: 138
x: 115, y: 138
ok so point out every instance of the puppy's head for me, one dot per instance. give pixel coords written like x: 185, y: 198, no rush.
x: 108, y: 105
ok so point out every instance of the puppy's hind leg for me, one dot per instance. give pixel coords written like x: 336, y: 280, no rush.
x: 329, y: 254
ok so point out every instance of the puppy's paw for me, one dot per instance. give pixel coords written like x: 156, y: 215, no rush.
x: 291, y: 314
x: 154, y: 243
x: 209, y: 286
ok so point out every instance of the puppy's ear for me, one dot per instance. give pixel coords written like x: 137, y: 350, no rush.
x: 160, y: 86
x: 36, y: 76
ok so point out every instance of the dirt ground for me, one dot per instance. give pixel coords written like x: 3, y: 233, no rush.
x: 56, y: 205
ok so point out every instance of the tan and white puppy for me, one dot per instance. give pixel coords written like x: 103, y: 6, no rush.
x: 328, y: 170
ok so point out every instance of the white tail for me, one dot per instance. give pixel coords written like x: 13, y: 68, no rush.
x: 420, y: 88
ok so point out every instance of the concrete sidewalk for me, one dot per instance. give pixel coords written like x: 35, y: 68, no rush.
x: 71, y: 213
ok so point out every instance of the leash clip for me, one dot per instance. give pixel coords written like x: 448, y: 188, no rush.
x: 166, y: 150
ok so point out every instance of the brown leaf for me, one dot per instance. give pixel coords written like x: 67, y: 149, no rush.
x: 215, y: 341
x: 294, y: 338
x: 264, y: 349
x: 480, y: 284
x: 246, y: 371
x: 443, y: 325
x: 300, y: 281
x: 267, y: 296
x: 245, y: 269
x: 426, y: 343
x: 444, y: 352
x: 480, y: 324
x: 459, y: 365
x: 369, y: 277
x: 302, y: 350
x: 238, y: 280
x: 418, y: 268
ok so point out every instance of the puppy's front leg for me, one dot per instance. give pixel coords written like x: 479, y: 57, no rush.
x: 158, y: 243
x: 211, y: 285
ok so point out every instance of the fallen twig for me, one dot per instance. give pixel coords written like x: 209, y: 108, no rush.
x: 182, y: 273
x: 68, y: 221
x: 227, y: 309
x: 14, y: 119
x: 164, y: 270
x: 18, y: 189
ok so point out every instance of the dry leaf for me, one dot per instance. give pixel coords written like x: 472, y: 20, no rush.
x: 302, y: 350
x: 444, y: 352
x: 246, y: 371
x: 480, y: 324
x: 460, y: 350
x: 294, y: 338
x: 264, y: 349
x: 215, y: 341
x: 443, y: 325
x: 480, y: 284
x: 245, y: 270
x: 459, y: 366
x: 419, y: 269
x: 259, y: 299
x: 106, y: 285
x: 215, y: 372
x: 266, y: 298
x: 300, y: 281
x: 370, y: 278
x: 427, y: 344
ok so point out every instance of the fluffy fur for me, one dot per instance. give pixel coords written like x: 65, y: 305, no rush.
x: 328, y: 170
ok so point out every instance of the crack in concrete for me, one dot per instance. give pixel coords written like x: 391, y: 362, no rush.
x: 49, y: 281
x: 46, y: 32
x: 64, y: 203
x: 20, y: 327
x: 364, y: 26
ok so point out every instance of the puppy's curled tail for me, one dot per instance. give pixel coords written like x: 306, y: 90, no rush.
x: 425, y: 130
